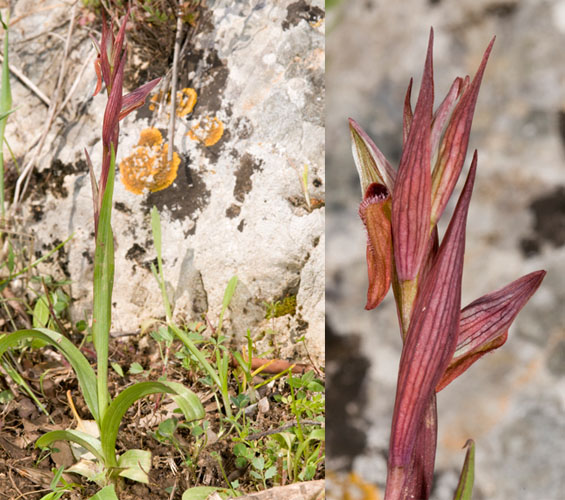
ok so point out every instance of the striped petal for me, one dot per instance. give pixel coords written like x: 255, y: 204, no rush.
x: 372, y: 166
x: 453, y: 148
x: 484, y: 323
x: 411, y: 200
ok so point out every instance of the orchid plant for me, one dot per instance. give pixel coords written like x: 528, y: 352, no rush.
x: 107, y: 412
x: 400, y: 210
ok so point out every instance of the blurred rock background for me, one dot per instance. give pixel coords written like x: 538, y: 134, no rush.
x: 511, y: 402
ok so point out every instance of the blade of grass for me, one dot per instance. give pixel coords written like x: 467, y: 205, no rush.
x: 5, y: 107
x: 185, y: 339
x: 465, y: 487
x: 18, y: 379
x: 156, y: 228
x: 228, y: 295
x: 37, y: 262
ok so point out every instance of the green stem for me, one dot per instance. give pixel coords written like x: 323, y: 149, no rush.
x: 103, y: 285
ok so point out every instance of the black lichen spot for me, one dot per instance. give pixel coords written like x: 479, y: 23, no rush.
x: 243, y: 127
x: 347, y: 369
x: 121, y: 207
x: 37, y: 212
x: 136, y: 252
x: 241, y: 225
x: 233, y: 211
x: 243, y: 184
x: 299, y: 11
x: 209, y: 68
x: 88, y: 256
x: 61, y: 256
x: 184, y: 199
x: 549, y: 223
x: 147, y: 265
x: 53, y: 178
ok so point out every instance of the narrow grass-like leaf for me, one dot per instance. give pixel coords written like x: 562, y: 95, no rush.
x: 84, y: 372
x: 467, y: 478
x: 38, y: 261
x: 185, y: 339
x: 159, y: 275
x: 5, y: 106
x: 103, y: 285
x: 411, y: 198
x: 228, y: 295
x: 83, y: 439
x: 188, y: 403
x: 431, y: 338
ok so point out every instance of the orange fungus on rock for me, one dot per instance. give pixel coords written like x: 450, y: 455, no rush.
x: 147, y: 169
x: 208, y: 131
x: 186, y: 99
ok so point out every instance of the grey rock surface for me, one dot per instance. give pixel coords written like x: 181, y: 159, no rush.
x: 512, y: 402
x: 235, y: 208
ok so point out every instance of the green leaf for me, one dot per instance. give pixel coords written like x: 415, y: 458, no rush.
x: 228, y: 295
x: 271, y: 472
x: 203, y: 492
x: 57, y: 475
x: 117, y: 368
x: 41, y: 313
x: 106, y: 493
x: 136, y: 465
x: 83, y: 439
x: 54, y: 495
x: 135, y: 368
x: 187, y: 401
x: 85, y: 373
x: 467, y: 478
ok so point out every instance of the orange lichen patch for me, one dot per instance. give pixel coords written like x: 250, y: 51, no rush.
x: 147, y: 169
x: 186, y: 99
x: 352, y: 487
x: 208, y: 131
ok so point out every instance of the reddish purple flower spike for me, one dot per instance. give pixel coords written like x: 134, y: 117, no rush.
x: 431, y: 339
x: 411, y: 200
x: 109, y: 66
x: 441, y: 341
